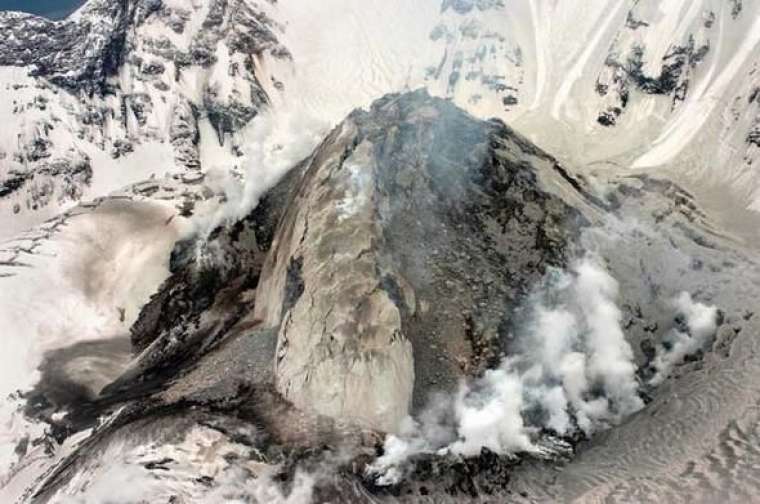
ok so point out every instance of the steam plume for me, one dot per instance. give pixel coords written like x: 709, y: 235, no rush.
x: 698, y: 325
x: 574, y: 372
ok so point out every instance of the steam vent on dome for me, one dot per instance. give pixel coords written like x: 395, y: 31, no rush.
x: 364, y: 251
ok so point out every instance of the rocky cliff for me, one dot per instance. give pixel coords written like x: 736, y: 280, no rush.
x: 119, y: 82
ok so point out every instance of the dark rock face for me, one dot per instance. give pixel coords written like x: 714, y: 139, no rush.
x: 48, y: 178
x: 76, y: 55
x: 184, y: 134
x: 72, y: 55
x: 227, y: 118
x: 633, y: 23
x: 12, y: 184
x: 83, y: 54
x: 754, y: 95
x: 210, y: 291
x: 624, y: 73
x: 674, y: 65
x: 753, y: 136
x: 104, y: 79
x: 609, y: 117
x: 736, y: 8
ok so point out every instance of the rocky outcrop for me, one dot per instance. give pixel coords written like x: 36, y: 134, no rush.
x: 753, y: 136
x: 41, y: 177
x: 380, y: 269
x: 127, y: 77
x: 622, y: 77
x: 184, y: 134
x: 210, y: 294
x: 82, y: 53
x: 74, y: 55
x: 413, y: 226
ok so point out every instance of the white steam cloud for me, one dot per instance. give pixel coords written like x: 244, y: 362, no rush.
x: 699, y: 325
x: 573, y: 372
x: 273, y: 143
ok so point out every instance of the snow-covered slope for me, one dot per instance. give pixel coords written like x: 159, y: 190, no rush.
x: 643, y: 83
x: 124, y: 90
x: 81, y: 277
x: 121, y: 91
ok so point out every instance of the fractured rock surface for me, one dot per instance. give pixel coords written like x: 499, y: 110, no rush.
x: 412, y: 229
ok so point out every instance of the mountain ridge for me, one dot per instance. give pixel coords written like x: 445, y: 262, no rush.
x: 652, y: 90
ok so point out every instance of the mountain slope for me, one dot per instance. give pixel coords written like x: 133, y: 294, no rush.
x: 124, y: 90
x: 409, y: 252
x: 630, y: 83
x: 222, y: 235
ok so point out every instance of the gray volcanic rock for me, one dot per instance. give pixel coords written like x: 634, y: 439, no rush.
x: 412, y: 229
x: 383, y: 267
x: 391, y: 264
x: 395, y: 270
x: 211, y: 293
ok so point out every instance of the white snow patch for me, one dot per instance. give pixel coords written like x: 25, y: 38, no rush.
x: 86, y: 282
